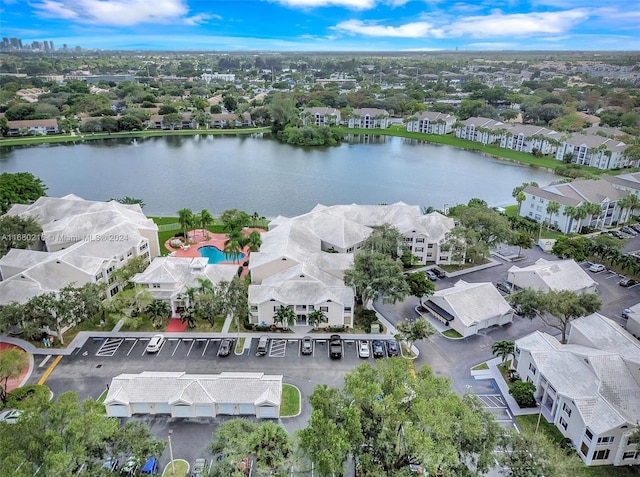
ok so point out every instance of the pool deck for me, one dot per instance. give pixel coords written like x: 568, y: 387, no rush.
x: 200, y: 238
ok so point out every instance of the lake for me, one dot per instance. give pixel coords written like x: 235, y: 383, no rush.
x: 259, y: 174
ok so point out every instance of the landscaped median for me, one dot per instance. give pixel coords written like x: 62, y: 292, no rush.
x: 291, y: 401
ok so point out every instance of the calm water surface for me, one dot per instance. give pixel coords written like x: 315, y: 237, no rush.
x: 263, y: 175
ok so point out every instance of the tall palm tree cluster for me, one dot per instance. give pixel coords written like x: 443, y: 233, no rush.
x: 234, y: 221
x: 188, y: 219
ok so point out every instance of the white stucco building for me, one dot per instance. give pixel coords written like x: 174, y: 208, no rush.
x: 302, y: 260
x: 470, y: 307
x: 545, y: 275
x: 589, y: 388
x: 431, y: 122
x: 178, y: 394
x: 82, y: 242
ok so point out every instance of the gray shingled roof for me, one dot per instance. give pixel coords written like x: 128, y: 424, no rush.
x: 557, y: 274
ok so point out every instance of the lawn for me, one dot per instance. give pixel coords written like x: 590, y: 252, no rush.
x: 290, y: 401
x: 181, y: 469
x: 528, y: 425
x: 451, y: 333
x: 480, y: 367
x: 240, y: 345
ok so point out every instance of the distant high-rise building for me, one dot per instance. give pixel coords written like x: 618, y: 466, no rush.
x: 64, y: 46
x: 78, y: 49
x: 19, y: 43
x: 46, y: 45
x: 36, y: 45
x: 51, y: 47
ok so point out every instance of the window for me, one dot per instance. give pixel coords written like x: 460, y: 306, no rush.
x: 563, y: 423
x: 155, y: 285
x: 584, y: 449
x: 113, y: 292
x: 301, y: 307
x: 350, y: 249
x: 254, y: 308
x: 324, y: 308
x: 275, y: 308
x: 111, y: 269
x: 419, y: 249
x: 532, y: 368
x: 605, y: 440
x: 129, y: 253
x: 601, y: 454
x: 589, y: 434
x: 419, y: 240
x: 429, y: 245
x: 566, y: 409
x: 347, y: 309
x: 144, y: 246
x: 630, y: 455
x: 98, y: 276
x: 111, y: 280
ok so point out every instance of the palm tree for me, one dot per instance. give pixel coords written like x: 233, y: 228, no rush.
x: 594, y: 210
x: 316, y: 317
x: 185, y: 217
x: 157, y: 310
x: 204, y: 285
x: 255, y: 240
x: 520, y: 198
x: 205, y: 218
x: 503, y: 349
x: 553, y: 207
x: 631, y: 202
x: 284, y: 315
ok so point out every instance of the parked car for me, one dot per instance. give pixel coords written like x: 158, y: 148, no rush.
x: 625, y: 313
x: 111, y: 464
x: 10, y: 416
x: 431, y: 275
x: 307, y: 345
x: 363, y: 349
x: 199, y: 467
x: 130, y: 466
x: 155, y: 344
x: 505, y: 287
x: 635, y: 227
x: 335, y: 346
x: 392, y: 348
x: 618, y: 234
x: 225, y: 347
x: 597, y: 268
x: 150, y: 467
x: 378, y: 349
x: 627, y: 282
x: 439, y: 273
x: 630, y: 231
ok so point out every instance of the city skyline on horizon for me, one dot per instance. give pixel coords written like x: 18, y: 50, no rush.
x: 325, y: 25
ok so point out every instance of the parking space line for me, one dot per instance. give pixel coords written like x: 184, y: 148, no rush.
x: 191, y: 347
x: 135, y: 342
x: 278, y: 348
x: 205, y: 347
x: 176, y: 348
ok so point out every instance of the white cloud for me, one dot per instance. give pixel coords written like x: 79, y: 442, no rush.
x: 351, y: 4
x: 487, y: 45
x: 518, y: 24
x: 408, y: 30
x: 120, y: 12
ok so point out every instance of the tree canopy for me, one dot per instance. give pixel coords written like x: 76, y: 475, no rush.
x: 387, y: 419
x: 375, y: 275
x: 19, y: 188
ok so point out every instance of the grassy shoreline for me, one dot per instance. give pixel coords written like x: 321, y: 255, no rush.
x: 36, y: 140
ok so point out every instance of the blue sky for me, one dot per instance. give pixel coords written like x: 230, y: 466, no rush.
x: 326, y: 25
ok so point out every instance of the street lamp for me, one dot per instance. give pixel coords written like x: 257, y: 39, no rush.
x: 173, y: 464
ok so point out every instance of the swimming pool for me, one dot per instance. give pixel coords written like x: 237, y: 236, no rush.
x: 215, y: 255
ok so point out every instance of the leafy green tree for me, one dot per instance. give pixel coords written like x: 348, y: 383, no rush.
x: 234, y: 220
x: 124, y: 274
x: 525, y: 455
x: 109, y: 124
x: 631, y: 202
x: 283, y: 111
x: 4, y: 126
x: 130, y: 201
x: 19, y: 188
x: 204, y: 219
x: 12, y: 363
x: 556, y: 308
x: 129, y: 122
x: 419, y: 285
x: 59, y: 436
x: 172, y: 120
x: 411, y: 332
x: 285, y: 316
x: 521, y: 240
x: 255, y: 241
x: 523, y: 393
x: 387, y: 419
x: 18, y: 232
x: 271, y: 445
x: 503, y: 349
x: 375, y: 275
x: 385, y: 239
x: 230, y: 103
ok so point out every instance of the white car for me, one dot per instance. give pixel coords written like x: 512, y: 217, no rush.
x: 10, y: 416
x: 155, y: 344
x: 597, y: 267
x: 363, y: 349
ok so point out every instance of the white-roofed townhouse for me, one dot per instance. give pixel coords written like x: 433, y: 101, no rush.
x: 545, y: 275
x: 182, y: 395
x: 168, y: 278
x: 470, y: 307
x: 573, y: 195
x: 527, y: 138
x: 431, y: 122
x: 368, y: 118
x: 484, y: 130
x: 588, y: 388
x: 82, y: 242
x: 321, y: 116
x: 302, y: 260
x: 593, y: 150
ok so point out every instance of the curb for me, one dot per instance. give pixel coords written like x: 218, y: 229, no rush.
x: 299, y: 402
x: 167, y: 467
